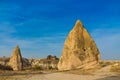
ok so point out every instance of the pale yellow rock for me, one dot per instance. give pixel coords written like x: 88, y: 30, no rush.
x: 16, y: 62
x: 80, y: 50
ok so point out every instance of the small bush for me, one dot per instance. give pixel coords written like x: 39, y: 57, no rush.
x: 5, y: 67
x: 36, y: 67
x: 103, y: 64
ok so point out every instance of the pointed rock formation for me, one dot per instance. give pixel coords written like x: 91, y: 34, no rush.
x: 80, y: 50
x: 16, y: 59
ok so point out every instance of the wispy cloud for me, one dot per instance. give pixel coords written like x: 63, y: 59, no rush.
x: 14, y: 25
x: 108, y: 42
x: 33, y: 47
x: 40, y: 27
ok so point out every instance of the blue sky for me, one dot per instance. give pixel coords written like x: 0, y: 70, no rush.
x: 40, y: 27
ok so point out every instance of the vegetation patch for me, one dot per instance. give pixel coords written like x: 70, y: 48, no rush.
x: 115, y: 67
x: 83, y: 71
x: 105, y: 63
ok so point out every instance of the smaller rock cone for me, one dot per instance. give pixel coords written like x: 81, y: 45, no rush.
x: 16, y: 59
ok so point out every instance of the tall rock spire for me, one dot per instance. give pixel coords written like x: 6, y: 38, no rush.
x: 16, y: 59
x: 80, y: 50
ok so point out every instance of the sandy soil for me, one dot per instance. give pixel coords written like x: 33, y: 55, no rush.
x: 102, y: 74
x: 64, y: 76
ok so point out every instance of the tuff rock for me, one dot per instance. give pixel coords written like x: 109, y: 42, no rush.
x: 15, y: 61
x: 80, y: 50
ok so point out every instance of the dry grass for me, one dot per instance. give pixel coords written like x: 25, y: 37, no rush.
x: 83, y: 71
x: 115, y: 67
x: 11, y: 77
x: 101, y: 65
x: 80, y: 72
x: 15, y: 75
x: 6, y: 78
x: 105, y: 63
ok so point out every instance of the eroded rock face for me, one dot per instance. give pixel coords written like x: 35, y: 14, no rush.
x: 16, y: 59
x: 80, y: 50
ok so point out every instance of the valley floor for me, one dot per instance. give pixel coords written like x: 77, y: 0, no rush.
x: 64, y: 76
x: 101, y: 74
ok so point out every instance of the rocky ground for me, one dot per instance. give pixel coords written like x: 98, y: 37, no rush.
x: 102, y: 73
x: 64, y: 76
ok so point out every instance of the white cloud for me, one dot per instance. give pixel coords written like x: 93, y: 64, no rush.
x: 107, y: 42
